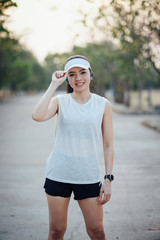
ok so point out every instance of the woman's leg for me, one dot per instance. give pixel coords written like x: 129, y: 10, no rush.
x: 58, y: 209
x: 93, y: 216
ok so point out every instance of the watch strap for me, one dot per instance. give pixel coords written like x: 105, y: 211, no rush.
x: 109, y: 176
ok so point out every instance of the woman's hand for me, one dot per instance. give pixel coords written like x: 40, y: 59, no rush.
x: 58, y: 77
x: 105, y: 192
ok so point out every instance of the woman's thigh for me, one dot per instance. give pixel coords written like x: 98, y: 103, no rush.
x: 58, y: 209
x: 92, y: 212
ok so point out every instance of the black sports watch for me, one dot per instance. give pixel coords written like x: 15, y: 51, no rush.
x: 109, y: 176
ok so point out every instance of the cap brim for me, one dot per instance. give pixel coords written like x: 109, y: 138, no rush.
x: 76, y: 65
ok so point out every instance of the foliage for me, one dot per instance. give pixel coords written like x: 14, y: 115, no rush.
x: 138, y: 25
x: 19, y: 69
x: 4, y: 6
x: 129, y: 64
x: 135, y: 25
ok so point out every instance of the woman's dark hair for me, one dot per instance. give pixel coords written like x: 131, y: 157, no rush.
x: 69, y: 88
x: 76, y: 56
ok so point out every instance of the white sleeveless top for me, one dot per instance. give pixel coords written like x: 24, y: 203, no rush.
x: 78, y: 143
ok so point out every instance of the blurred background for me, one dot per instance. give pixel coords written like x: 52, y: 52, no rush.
x: 121, y: 39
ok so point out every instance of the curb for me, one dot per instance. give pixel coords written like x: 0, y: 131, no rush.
x: 155, y: 126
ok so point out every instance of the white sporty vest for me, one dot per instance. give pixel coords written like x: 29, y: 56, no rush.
x: 78, y: 143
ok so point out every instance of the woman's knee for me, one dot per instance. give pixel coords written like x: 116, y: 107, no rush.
x: 96, y: 232
x: 57, y: 231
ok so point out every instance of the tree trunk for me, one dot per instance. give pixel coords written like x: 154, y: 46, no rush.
x: 126, y: 97
x: 140, y: 95
x: 140, y: 98
x: 149, y: 97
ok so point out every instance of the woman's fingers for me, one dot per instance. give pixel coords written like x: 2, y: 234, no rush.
x: 58, y: 77
x: 104, y: 197
x: 60, y: 74
x: 100, y: 197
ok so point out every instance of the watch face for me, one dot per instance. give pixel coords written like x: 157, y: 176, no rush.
x: 112, y: 177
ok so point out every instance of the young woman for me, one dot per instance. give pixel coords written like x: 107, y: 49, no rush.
x: 84, y: 135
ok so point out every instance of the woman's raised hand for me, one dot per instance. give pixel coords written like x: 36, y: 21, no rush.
x: 58, y: 77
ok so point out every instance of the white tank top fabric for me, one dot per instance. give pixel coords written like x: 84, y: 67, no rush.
x: 78, y: 145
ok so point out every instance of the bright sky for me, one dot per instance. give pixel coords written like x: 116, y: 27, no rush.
x: 48, y: 26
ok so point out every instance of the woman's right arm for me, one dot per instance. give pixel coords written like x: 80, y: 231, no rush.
x: 47, y: 106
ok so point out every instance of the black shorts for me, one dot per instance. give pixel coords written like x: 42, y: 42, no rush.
x: 81, y: 191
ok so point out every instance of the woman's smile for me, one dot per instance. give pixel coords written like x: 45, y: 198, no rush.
x: 79, y: 84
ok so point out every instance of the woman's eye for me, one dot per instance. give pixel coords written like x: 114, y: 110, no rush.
x: 83, y: 72
x: 71, y: 75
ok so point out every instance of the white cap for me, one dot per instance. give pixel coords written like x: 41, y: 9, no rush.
x: 77, y: 62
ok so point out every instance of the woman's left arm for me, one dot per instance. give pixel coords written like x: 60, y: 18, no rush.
x: 107, y: 133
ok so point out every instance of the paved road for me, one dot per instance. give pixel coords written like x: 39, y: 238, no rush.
x: 134, y: 210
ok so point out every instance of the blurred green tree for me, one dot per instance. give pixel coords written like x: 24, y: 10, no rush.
x: 136, y: 27
x: 19, y: 69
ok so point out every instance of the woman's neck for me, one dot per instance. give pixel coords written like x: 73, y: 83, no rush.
x: 81, y: 97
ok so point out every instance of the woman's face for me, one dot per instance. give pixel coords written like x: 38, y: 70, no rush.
x: 79, y: 78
